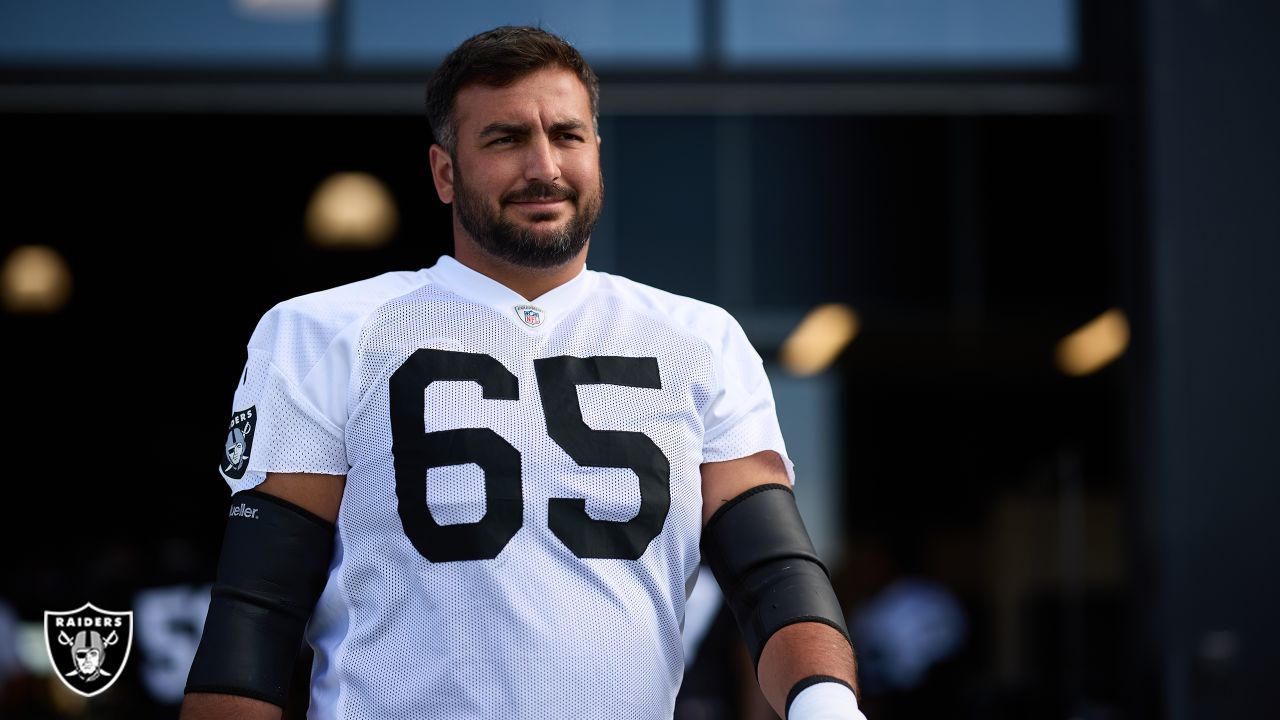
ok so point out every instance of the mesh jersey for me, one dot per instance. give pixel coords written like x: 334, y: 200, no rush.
x: 519, y: 529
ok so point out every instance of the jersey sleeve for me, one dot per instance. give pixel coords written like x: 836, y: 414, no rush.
x: 288, y: 411
x: 741, y: 418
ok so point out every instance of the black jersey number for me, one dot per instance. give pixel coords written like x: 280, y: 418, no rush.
x: 415, y: 452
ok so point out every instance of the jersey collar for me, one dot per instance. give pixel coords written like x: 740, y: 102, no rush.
x: 534, y: 315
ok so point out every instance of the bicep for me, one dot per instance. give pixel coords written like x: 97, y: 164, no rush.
x: 318, y: 494
x: 723, y: 481
x: 214, y: 706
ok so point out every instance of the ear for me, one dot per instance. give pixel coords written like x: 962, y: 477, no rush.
x: 442, y: 173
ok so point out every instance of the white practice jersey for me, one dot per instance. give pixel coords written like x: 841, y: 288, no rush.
x: 522, y: 511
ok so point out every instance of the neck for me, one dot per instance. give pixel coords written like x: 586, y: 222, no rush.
x: 530, y: 283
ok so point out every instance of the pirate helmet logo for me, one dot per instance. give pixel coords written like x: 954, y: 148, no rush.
x: 235, y: 448
x: 87, y: 650
x: 239, y: 444
x: 92, y: 646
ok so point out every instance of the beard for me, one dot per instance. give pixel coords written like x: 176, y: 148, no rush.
x: 526, y: 246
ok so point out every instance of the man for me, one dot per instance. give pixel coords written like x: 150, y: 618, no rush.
x: 520, y: 456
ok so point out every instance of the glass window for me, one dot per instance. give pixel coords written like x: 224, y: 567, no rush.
x: 190, y: 33
x: 406, y: 33
x: 892, y: 34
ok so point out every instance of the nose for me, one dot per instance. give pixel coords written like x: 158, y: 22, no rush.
x: 542, y: 161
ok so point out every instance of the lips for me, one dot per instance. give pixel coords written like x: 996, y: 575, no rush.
x: 540, y: 204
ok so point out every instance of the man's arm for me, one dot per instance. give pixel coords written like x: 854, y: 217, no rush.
x: 799, y: 650
x: 211, y: 706
x: 320, y: 495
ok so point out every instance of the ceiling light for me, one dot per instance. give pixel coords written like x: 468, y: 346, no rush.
x: 1095, y: 345
x: 819, y: 339
x: 351, y: 210
x: 35, y: 279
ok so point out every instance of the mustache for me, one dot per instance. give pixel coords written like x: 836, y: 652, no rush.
x: 537, y: 191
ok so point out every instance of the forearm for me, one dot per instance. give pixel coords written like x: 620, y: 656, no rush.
x: 799, y: 651
x: 778, y: 589
x: 212, y: 706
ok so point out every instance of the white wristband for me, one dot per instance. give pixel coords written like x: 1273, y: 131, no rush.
x: 825, y: 701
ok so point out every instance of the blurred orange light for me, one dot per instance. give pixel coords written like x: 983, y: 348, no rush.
x: 35, y: 279
x: 1095, y: 345
x: 351, y: 210
x: 819, y: 339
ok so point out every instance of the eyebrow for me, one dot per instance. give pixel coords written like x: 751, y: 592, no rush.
x: 522, y: 129
x: 564, y: 125
x: 502, y: 128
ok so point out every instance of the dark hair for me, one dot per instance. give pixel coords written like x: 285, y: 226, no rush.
x: 497, y: 58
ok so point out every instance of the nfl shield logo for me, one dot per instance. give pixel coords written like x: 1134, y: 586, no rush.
x: 88, y: 647
x: 529, y: 315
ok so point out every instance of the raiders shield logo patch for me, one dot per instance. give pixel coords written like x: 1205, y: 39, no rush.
x: 529, y: 315
x: 235, y: 453
x: 88, y: 647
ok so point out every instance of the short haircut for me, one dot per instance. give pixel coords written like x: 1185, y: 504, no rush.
x: 497, y: 58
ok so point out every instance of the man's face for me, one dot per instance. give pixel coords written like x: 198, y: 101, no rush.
x: 525, y: 178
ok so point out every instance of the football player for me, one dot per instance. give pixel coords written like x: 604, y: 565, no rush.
x: 481, y: 489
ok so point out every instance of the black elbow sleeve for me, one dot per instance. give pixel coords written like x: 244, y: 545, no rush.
x: 273, y: 567
x: 771, y: 576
